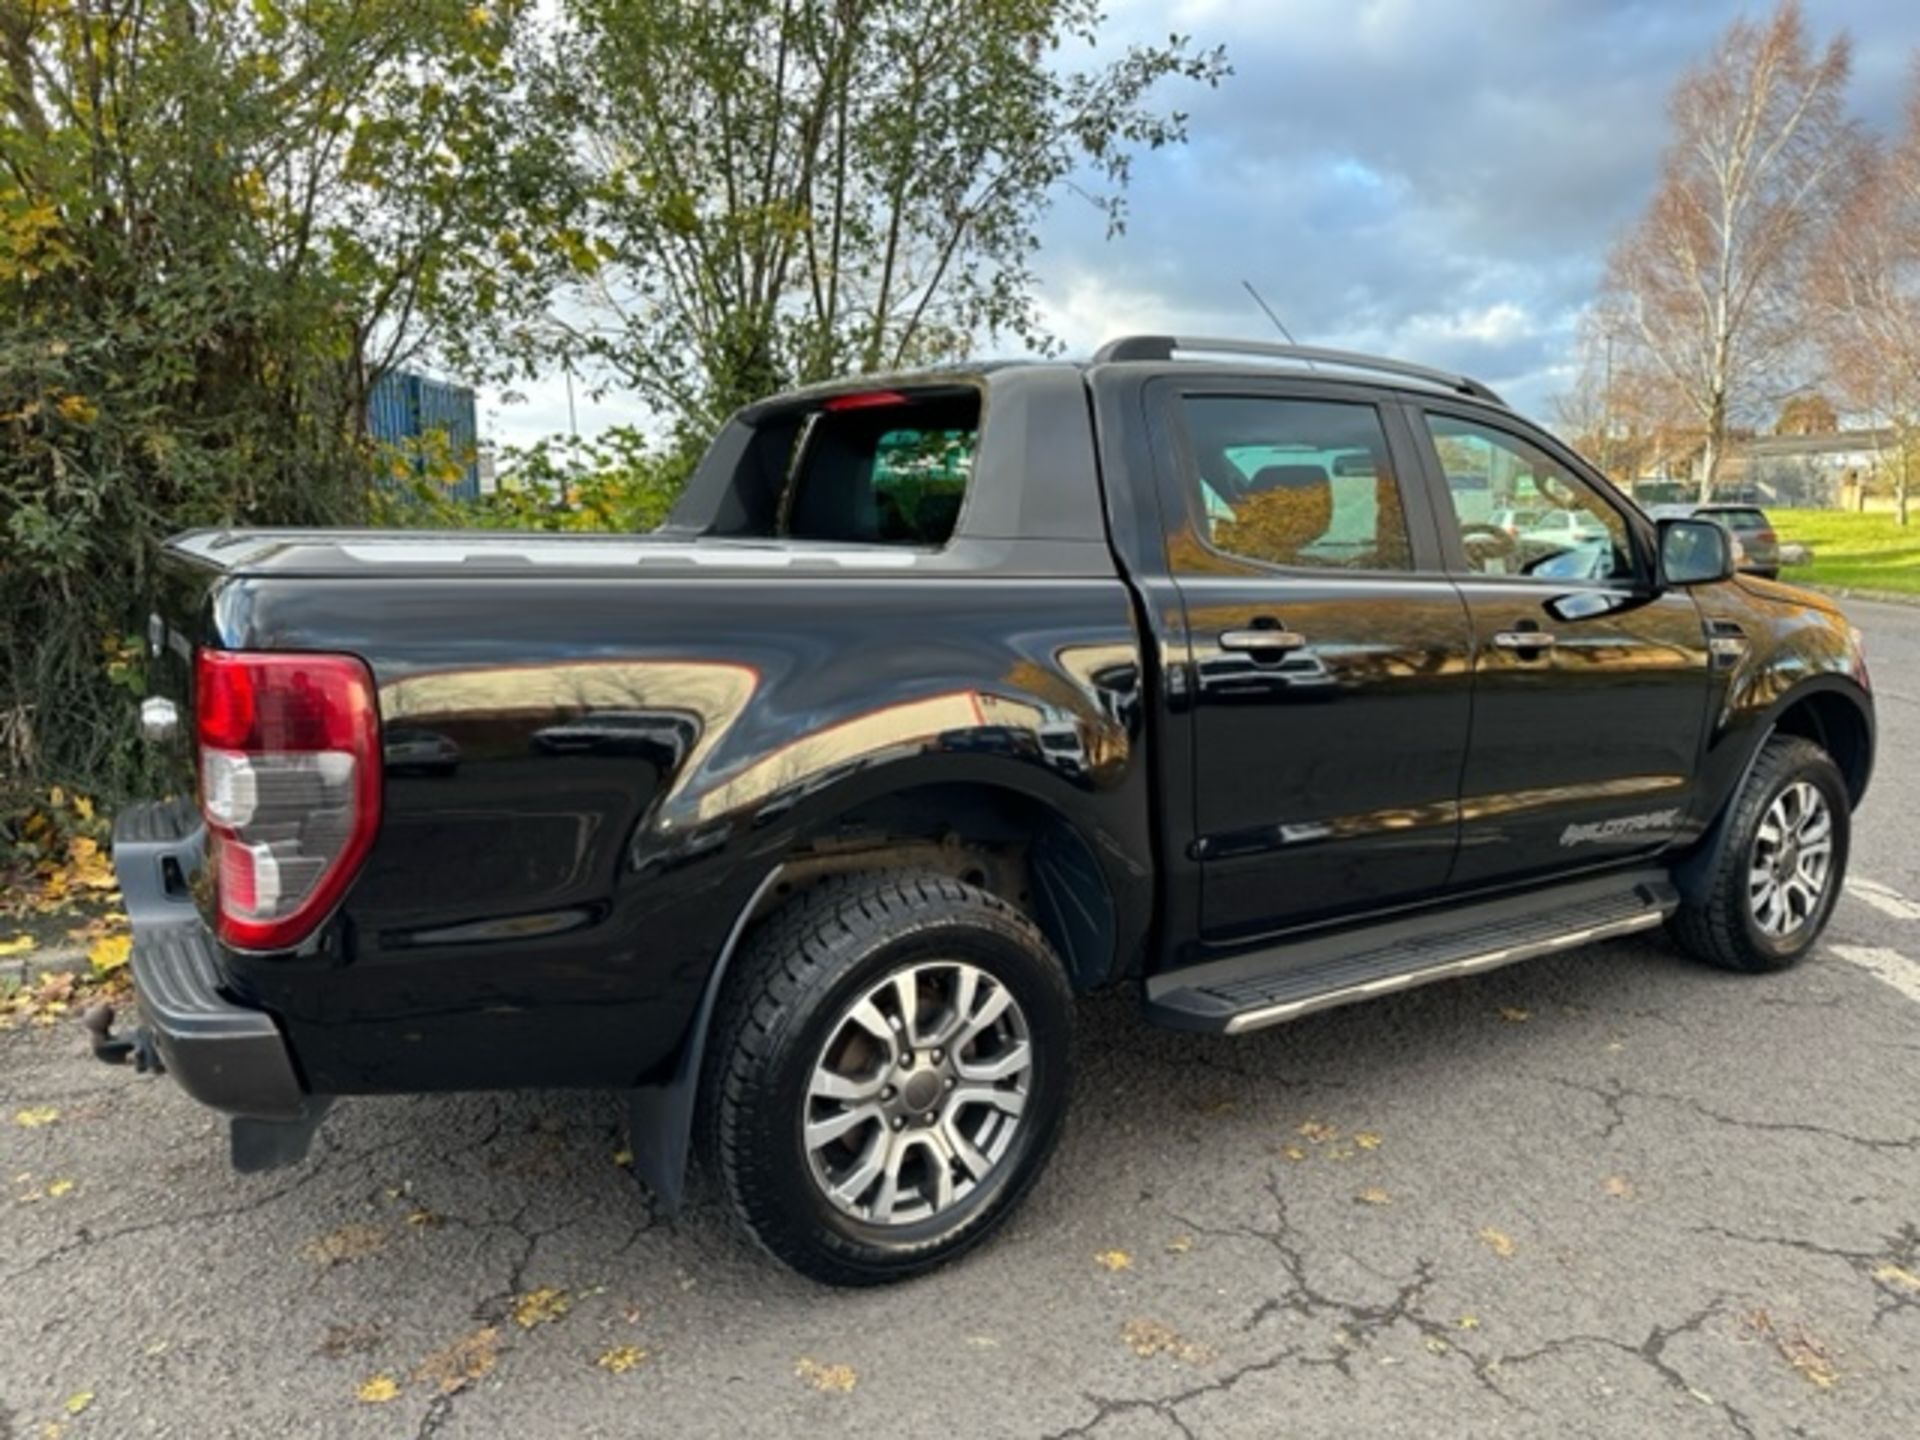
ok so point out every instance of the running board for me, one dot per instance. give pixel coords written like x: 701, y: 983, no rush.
x: 1267, y: 987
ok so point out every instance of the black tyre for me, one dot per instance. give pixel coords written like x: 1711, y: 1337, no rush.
x: 887, y: 1074
x: 1780, y: 869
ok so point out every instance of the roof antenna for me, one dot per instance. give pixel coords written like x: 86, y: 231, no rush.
x: 1285, y: 333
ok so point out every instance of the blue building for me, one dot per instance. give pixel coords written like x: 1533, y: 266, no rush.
x: 403, y: 406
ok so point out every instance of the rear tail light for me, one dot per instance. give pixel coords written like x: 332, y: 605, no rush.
x: 289, y: 787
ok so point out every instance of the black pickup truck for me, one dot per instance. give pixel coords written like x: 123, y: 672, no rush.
x: 1234, y: 674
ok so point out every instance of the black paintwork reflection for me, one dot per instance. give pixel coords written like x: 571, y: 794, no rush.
x: 1325, y: 777
x: 1605, y: 724
x: 515, y: 922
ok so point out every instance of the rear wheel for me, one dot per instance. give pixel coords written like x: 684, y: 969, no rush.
x: 1780, y: 869
x: 887, y: 1076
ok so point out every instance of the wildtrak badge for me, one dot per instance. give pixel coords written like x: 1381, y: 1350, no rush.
x: 1599, y: 830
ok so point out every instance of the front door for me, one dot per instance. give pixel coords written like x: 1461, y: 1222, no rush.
x: 1329, y: 676
x: 1590, y: 686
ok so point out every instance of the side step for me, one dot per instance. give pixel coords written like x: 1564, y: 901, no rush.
x: 1266, y: 987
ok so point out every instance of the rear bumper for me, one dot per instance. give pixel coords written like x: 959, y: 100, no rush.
x: 225, y: 1054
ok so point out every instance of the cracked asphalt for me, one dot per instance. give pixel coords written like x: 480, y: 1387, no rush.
x: 1609, y: 1193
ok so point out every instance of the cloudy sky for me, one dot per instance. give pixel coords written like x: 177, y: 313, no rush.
x: 1434, y: 179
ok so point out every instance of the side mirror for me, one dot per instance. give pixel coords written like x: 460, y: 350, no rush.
x: 1694, y: 552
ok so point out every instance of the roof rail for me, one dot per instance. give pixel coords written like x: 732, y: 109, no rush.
x: 1165, y: 347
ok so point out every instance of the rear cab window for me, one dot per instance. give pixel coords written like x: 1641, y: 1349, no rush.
x: 882, y: 468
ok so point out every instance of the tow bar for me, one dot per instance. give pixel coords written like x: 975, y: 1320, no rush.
x: 111, y: 1049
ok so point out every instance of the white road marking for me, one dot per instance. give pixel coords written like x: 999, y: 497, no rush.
x: 1883, y: 898
x: 1888, y: 965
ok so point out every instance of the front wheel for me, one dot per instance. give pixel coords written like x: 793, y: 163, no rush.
x: 1780, y: 868
x: 887, y: 1075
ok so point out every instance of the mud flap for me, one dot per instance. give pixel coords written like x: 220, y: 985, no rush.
x: 270, y: 1144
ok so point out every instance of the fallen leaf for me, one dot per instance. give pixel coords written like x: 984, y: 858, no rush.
x: 1619, y: 1187
x: 1113, y: 1260
x: 833, y: 1379
x: 19, y: 945
x: 1437, y: 1345
x: 59, y: 1188
x: 350, y: 1242
x: 109, y: 953
x: 1294, y: 1152
x: 1180, y: 1245
x: 1497, y: 1241
x: 34, y: 1118
x: 79, y: 1401
x: 341, y: 1341
x: 541, y: 1307
x: 1468, y: 1322
x: 623, y: 1157
x: 1148, y: 1338
x: 621, y: 1359
x: 1515, y: 1015
x: 1367, y: 1140
x: 1374, y: 1195
x: 467, y: 1359
x: 83, y: 807
x: 377, y: 1389
x: 1317, y: 1132
x: 422, y: 1216
x: 1805, y: 1354
x: 1896, y: 1275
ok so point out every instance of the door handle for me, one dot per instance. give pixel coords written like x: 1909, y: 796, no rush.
x: 1524, y: 640
x: 1275, y: 641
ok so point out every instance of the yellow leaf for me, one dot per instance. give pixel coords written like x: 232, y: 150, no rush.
x: 34, y: 1118
x: 1497, y: 1241
x: 378, y: 1389
x: 621, y: 1359
x: 109, y: 953
x: 83, y: 807
x: 541, y: 1307
x: 1367, y: 1140
x: 834, y: 1379
x: 1294, y: 1152
x: 1437, y: 1345
x: 1180, y: 1245
x: 19, y: 945
x: 1619, y: 1187
x: 1896, y: 1275
x: 1374, y: 1196
x: 422, y: 1217
x: 1315, y: 1131
x: 1515, y: 1014
x: 59, y: 1188
x: 623, y: 1157
x: 1148, y: 1338
x: 79, y: 1401
x: 1113, y: 1260
x: 1468, y: 1322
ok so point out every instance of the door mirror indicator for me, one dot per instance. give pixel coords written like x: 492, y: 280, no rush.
x: 1694, y: 552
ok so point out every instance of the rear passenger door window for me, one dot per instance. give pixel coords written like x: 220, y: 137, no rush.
x: 1298, y: 483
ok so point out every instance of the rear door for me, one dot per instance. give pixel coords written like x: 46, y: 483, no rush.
x: 1329, y: 676
x: 1590, y: 685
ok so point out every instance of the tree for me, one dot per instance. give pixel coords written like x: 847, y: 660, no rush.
x: 1867, y: 293
x: 1707, y: 289
x: 219, y: 221
x: 1807, y: 413
x: 788, y: 191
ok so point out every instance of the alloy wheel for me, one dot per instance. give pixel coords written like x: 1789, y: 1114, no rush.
x: 918, y: 1093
